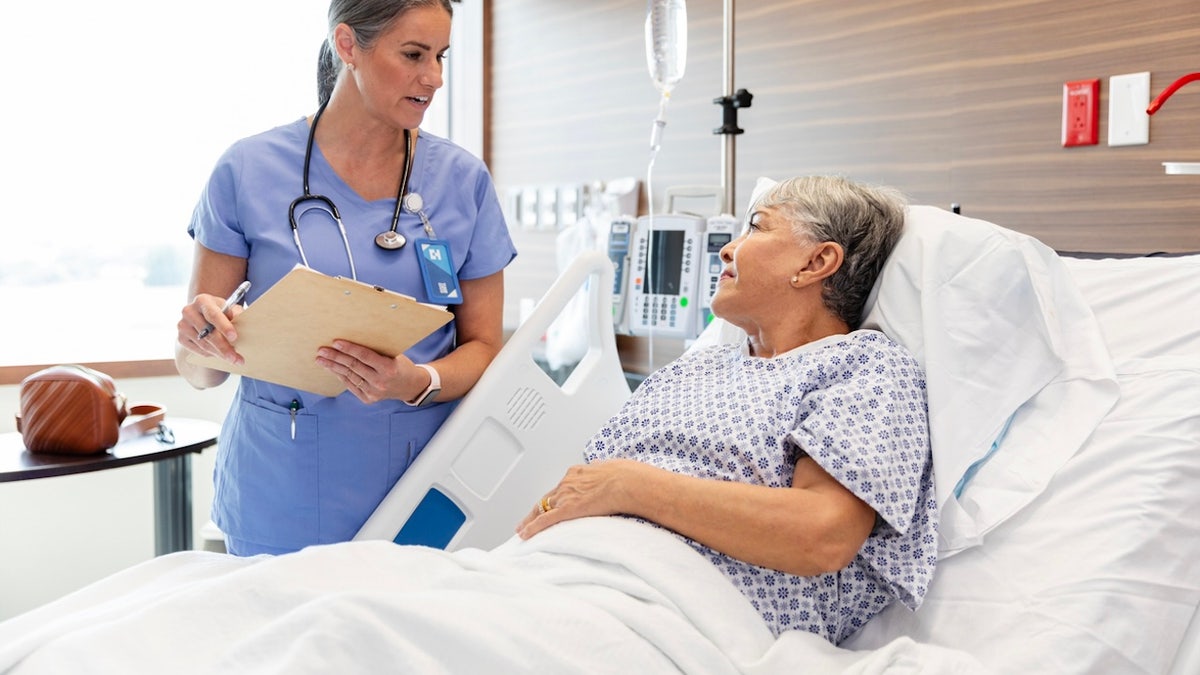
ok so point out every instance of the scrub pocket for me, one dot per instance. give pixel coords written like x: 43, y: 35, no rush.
x: 410, y: 431
x: 266, y: 489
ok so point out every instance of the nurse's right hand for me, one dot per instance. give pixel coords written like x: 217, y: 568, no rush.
x: 195, y: 335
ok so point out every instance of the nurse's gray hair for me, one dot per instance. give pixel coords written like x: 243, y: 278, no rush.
x: 865, y: 220
x: 370, y: 18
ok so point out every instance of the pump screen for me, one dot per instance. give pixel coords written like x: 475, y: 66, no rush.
x: 666, y: 262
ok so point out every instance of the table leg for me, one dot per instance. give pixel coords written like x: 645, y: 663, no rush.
x: 173, y: 504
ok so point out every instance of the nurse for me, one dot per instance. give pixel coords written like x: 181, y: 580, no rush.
x: 363, y: 187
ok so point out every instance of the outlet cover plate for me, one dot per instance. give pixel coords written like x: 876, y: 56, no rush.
x: 1081, y: 113
x: 1128, y: 96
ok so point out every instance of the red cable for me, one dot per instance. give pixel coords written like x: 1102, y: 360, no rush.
x: 1166, y: 93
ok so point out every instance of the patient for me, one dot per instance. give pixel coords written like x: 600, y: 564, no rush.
x: 798, y: 461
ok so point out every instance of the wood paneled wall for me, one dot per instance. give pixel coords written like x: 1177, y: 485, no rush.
x: 951, y: 101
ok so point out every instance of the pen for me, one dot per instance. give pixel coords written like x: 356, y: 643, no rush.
x: 238, y: 294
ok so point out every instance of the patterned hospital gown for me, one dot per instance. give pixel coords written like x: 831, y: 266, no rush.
x: 855, y: 404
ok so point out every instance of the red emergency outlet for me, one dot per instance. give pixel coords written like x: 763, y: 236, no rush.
x: 1081, y: 113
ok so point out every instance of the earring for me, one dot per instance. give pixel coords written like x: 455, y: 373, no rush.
x: 795, y: 279
x: 350, y: 67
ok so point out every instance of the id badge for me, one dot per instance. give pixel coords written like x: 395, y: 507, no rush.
x: 437, y: 271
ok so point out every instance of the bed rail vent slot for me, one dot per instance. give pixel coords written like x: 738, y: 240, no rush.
x: 526, y: 408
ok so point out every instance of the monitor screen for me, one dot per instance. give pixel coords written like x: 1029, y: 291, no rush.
x: 666, y: 262
x: 717, y: 241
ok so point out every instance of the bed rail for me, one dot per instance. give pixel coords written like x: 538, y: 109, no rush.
x: 514, y: 435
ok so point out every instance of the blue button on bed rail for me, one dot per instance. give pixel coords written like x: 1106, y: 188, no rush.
x: 433, y: 523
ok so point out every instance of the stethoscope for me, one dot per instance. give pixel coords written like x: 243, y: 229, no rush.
x: 391, y: 239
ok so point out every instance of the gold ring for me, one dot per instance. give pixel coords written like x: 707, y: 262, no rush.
x: 544, y: 505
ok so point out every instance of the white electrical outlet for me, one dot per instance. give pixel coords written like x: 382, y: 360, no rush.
x: 1128, y: 96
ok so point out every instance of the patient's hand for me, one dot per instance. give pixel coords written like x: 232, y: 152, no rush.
x: 598, y: 489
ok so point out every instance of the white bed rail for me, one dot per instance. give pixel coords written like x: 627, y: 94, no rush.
x: 515, y: 433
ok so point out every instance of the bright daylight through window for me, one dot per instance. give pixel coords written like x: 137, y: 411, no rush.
x: 111, y: 128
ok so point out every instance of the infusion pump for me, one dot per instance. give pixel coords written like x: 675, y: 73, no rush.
x: 666, y: 272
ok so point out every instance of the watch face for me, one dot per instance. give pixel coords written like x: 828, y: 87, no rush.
x: 428, y: 396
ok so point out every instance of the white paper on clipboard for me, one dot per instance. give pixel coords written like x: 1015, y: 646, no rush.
x: 280, y: 332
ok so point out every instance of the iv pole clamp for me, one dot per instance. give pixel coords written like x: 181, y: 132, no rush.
x: 729, y: 116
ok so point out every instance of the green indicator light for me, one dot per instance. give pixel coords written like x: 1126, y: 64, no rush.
x: 683, y: 302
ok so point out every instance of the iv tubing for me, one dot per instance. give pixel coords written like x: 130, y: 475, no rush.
x: 655, y: 143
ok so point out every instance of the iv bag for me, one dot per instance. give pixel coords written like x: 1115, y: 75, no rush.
x: 666, y: 42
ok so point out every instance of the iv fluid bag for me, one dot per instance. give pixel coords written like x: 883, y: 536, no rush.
x: 666, y: 42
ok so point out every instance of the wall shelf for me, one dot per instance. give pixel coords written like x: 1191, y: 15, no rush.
x: 1182, y: 168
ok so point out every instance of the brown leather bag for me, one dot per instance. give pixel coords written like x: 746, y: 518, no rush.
x: 74, y: 409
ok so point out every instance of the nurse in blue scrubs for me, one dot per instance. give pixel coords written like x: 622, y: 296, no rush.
x: 355, y: 190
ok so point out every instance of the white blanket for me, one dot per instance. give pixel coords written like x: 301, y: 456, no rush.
x: 600, y: 595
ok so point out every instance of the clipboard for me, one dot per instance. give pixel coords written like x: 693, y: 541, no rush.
x: 280, y: 332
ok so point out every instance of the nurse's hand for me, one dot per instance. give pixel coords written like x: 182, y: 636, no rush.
x: 205, y: 310
x: 371, y: 376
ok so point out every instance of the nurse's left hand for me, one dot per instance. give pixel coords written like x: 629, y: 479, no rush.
x: 369, y: 375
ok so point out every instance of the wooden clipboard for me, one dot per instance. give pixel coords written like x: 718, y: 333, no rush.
x: 280, y: 332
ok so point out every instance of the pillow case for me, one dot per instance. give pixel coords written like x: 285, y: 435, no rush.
x: 1017, y: 371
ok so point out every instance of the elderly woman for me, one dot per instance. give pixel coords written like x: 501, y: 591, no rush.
x: 798, y: 461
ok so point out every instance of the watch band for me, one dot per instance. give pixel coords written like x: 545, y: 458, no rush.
x: 434, y: 388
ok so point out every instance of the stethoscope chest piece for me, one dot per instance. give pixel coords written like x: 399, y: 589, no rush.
x: 390, y: 240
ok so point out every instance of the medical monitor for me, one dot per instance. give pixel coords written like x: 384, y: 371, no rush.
x: 664, y: 269
x: 663, y: 274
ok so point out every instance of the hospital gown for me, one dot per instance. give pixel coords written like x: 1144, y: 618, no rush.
x: 855, y: 404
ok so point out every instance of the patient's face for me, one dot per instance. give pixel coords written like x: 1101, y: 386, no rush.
x: 759, y: 265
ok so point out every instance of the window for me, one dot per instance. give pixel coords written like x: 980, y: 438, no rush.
x: 116, y: 117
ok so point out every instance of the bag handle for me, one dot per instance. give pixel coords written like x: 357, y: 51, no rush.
x: 143, y: 418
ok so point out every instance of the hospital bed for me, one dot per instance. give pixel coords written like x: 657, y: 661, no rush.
x: 1065, y: 420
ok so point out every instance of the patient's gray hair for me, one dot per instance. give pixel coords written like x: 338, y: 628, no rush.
x: 865, y: 220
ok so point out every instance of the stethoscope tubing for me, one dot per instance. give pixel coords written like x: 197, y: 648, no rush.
x: 390, y: 239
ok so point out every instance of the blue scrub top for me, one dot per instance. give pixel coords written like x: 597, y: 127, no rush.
x: 273, y: 492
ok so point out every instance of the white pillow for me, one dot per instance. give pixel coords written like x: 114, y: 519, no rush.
x: 1017, y: 372
x: 1098, y: 574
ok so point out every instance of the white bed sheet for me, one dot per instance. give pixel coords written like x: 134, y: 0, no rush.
x: 1145, y: 306
x: 599, y: 595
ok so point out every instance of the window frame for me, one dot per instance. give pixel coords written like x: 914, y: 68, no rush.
x: 464, y: 96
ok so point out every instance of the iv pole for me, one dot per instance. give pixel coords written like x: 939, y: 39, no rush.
x: 730, y: 103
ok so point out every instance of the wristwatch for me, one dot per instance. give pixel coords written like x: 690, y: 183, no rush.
x: 434, y: 388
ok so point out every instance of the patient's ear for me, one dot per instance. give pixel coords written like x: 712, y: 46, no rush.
x: 820, y: 262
